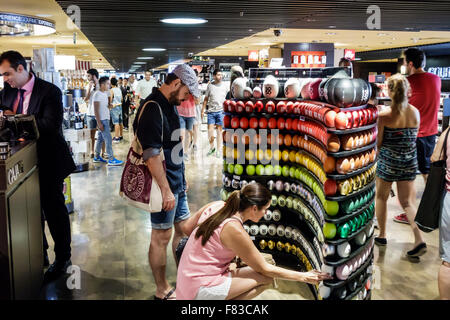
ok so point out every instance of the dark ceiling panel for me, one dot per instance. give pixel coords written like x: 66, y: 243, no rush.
x: 120, y: 29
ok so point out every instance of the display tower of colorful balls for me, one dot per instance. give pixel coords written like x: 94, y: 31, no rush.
x: 315, y: 149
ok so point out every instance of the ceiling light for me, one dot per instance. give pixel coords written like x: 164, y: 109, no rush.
x: 331, y: 33
x: 41, y: 15
x: 184, y: 21
x: 332, y: 27
x: 250, y: 30
x: 145, y: 58
x: 137, y: 63
x: 154, y: 49
x: 381, y: 34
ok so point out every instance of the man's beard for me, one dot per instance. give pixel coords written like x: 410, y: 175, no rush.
x: 173, y: 98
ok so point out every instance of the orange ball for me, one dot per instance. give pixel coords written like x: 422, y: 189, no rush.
x: 343, y: 166
x: 341, y: 121
x: 330, y: 118
x: 287, y: 140
x: 329, y: 164
x: 295, y: 141
x: 333, y: 143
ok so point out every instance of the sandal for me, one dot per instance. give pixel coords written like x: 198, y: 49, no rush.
x: 167, y: 297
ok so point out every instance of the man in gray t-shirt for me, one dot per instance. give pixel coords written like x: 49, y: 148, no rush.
x: 214, y: 98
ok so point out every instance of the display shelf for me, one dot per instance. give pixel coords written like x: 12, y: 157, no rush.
x: 303, y: 219
x: 354, y: 194
x: 335, y: 284
x: 358, y: 290
x: 351, y: 174
x: 350, y: 216
x: 347, y: 153
x: 352, y: 236
x: 352, y: 130
x: 337, y: 262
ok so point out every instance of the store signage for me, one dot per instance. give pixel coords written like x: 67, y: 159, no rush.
x: 350, y: 54
x: 442, y: 72
x: 308, y: 59
x: 15, y: 18
x: 15, y: 172
x: 253, y: 55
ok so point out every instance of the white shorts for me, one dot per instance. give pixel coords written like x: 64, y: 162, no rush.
x: 219, y: 292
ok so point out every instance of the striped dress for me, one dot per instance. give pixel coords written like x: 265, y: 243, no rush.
x: 397, y: 159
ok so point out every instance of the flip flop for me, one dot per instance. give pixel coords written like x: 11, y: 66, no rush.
x: 167, y: 295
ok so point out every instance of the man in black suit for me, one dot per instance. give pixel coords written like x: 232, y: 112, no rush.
x: 24, y: 93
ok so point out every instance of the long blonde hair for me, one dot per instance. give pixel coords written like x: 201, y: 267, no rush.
x: 398, y: 91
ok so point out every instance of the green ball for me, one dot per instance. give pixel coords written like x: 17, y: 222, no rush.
x: 260, y: 170
x: 268, y: 170
x: 332, y: 208
x: 238, y: 169
x: 274, y: 201
x: 231, y: 168
x: 365, y: 218
x: 250, y: 170
x: 277, y: 170
x: 285, y: 171
x: 329, y: 230
x: 298, y: 174
x: 352, y: 226
x: 358, y: 222
x: 225, y: 167
x: 282, y: 201
x: 292, y: 172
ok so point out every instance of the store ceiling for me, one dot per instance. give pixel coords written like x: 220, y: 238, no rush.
x: 62, y: 40
x: 121, y: 29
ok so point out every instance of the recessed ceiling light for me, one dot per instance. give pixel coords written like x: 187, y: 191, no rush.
x: 250, y: 30
x: 154, y: 49
x: 137, y: 63
x: 381, y: 34
x: 332, y: 27
x: 145, y: 58
x: 331, y: 33
x: 184, y: 21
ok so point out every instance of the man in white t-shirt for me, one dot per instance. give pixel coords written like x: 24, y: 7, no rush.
x: 92, y: 75
x: 145, y: 87
x: 102, y: 117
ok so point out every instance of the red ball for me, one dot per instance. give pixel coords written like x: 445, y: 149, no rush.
x: 226, y: 121
x: 232, y: 106
x: 281, y: 123
x: 249, y: 107
x: 341, y: 121
x: 350, y: 120
x: 355, y: 116
x: 288, y: 124
x: 263, y: 123
x: 235, y: 122
x: 240, y: 106
x: 295, y: 124
x: 314, y: 89
x: 259, y: 106
x: 253, y: 123
x: 272, y: 123
x: 244, y: 123
x: 330, y: 119
x: 290, y: 107
x: 226, y: 103
x: 270, y: 107
x: 297, y: 108
x: 361, y: 118
x: 330, y: 187
x: 281, y: 107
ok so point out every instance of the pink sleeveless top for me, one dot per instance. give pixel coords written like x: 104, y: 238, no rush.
x: 447, y: 176
x: 203, y: 266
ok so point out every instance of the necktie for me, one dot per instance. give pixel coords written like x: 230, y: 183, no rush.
x: 20, y: 105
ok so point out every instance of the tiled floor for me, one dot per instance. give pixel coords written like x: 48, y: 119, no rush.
x: 110, y: 241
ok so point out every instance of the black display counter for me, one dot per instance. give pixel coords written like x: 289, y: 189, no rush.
x: 21, y: 249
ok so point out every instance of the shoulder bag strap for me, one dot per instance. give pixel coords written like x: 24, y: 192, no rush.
x: 444, y: 149
x: 162, y: 125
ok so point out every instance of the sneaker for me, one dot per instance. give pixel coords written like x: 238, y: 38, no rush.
x: 99, y: 160
x: 105, y: 156
x: 211, y: 152
x: 401, y: 218
x: 116, y: 140
x: 115, y: 162
x: 120, y: 138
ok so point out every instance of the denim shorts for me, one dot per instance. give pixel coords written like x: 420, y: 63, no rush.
x: 91, y: 122
x: 425, y: 148
x: 165, y: 220
x: 187, y: 123
x: 215, y: 118
x: 116, y: 115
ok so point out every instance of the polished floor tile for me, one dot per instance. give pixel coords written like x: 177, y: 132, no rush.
x: 110, y: 241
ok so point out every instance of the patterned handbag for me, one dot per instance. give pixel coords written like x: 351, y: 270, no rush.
x: 137, y: 185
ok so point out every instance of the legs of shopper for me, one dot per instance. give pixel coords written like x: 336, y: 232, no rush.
x: 247, y: 284
x: 57, y: 216
x: 178, y: 235
x: 444, y: 281
x: 157, y: 256
x: 195, y: 132
x: 219, y: 138
x: 211, y: 135
x: 93, y: 131
x: 404, y: 190
x: 117, y: 133
x: 99, y: 143
x: 107, y: 138
x: 383, y: 190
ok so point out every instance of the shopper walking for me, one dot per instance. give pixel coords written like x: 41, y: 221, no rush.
x: 213, y: 105
x: 154, y: 135
x: 102, y: 116
x: 216, y: 236
x: 145, y: 87
x: 126, y: 94
x: 397, y: 133
x: 24, y: 93
x: 92, y: 75
x: 444, y: 224
x: 426, y: 97
x: 186, y: 111
x: 116, y: 111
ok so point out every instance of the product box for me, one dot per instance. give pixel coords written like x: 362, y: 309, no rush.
x: 73, y: 135
x: 81, y: 146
